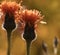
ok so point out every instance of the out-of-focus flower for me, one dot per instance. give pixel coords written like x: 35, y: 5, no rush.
x: 55, y: 42
x: 29, y: 20
x: 11, y: 8
x: 55, y: 45
x: 31, y: 16
x: 44, y: 46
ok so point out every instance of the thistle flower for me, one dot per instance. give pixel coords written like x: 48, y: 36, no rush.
x: 30, y: 18
x: 10, y: 7
x: 9, y: 10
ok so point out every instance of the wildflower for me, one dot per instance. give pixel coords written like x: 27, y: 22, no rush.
x: 9, y: 10
x: 31, y: 16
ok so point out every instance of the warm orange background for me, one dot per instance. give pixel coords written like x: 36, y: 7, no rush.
x: 51, y: 10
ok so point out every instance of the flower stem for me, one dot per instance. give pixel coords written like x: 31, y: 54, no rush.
x: 28, y: 47
x: 9, y: 39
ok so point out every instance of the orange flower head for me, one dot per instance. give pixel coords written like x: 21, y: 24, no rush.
x: 10, y: 7
x: 31, y: 16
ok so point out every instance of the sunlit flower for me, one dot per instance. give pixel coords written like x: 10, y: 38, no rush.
x: 11, y: 8
x: 29, y: 20
x: 31, y: 16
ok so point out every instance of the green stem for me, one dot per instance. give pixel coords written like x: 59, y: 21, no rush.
x: 9, y: 38
x: 28, y: 47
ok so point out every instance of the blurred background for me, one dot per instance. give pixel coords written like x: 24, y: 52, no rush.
x: 45, y: 32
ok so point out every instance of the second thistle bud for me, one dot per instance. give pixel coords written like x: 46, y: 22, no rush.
x: 29, y: 32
